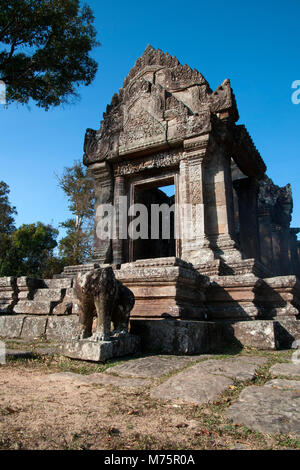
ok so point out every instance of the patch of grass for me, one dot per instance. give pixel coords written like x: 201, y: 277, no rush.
x: 287, y: 441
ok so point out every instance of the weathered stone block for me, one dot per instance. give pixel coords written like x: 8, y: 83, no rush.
x: 11, y: 326
x: 8, y: 294
x: 165, y: 286
x: 53, y: 295
x: 33, y: 307
x: 97, y: 351
x: 33, y: 327
x: 279, y: 297
x: 62, y: 328
x: 177, y: 336
x: 258, y: 334
x: 62, y: 283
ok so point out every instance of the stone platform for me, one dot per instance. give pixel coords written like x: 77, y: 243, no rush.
x: 167, y: 336
x: 99, y: 351
x: 201, y: 337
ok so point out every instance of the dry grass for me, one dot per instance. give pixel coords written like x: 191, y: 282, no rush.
x: 36, y: 413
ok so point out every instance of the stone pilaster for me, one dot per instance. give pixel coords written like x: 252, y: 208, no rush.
x: 195, y: 245
x: 120, y: 219
x: 206, y: 184
x: 265, y: 237
x: 285, y: 255
x: 276, y: 247
x: 104, y: 195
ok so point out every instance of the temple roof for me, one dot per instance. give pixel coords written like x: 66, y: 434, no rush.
x: 162, y: 104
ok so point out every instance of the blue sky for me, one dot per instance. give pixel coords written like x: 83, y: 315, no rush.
x: 256, y: 45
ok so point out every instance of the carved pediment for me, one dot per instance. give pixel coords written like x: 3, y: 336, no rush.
x: 161, y: 103
x: 141, y: 127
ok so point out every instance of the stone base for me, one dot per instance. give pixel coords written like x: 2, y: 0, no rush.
x: 203, y: 337
x: 165, y: 287
x: 98, y: 351
x: 247, y: 297
x: 218, y: 267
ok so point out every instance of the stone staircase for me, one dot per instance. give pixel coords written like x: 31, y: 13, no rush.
x: 41, y: 297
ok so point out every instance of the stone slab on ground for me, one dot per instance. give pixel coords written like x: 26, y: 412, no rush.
x: 193, y: 385
x: 19, y: 354
x: 284, y: 384
x: 98, y: 351
x: 99, y: 379
x: 203, y: 382
x: 47, y: 351
x: 238, y: 368
x: 151, y: 366
x: 29, y: 354
x: 268, y: 410
x: 288, y: 369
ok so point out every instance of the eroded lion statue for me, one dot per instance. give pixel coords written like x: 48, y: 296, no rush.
x: 100, y: 294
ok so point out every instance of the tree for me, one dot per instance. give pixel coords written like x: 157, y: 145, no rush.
x: 29, y: 250
x: 7, y: 212
x: 78, y: 185
x: 45, y: 50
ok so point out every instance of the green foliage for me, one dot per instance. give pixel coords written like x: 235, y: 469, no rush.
x: 45, y: 50
x: 7, y: 212
x: 78, y: 185
x: 75, y: 248
x: 28, y: 250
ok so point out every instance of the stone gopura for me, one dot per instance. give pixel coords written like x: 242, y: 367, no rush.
x: 234, y: 278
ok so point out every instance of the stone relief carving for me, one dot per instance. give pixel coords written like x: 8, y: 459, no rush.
x: 161, y: 101
x: 159, y: 160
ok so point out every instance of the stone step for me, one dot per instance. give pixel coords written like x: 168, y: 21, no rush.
x: 34, y: 307
x: 54, y: 295
x: 62, y: 283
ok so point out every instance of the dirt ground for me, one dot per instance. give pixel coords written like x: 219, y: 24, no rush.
x: 39, y: 413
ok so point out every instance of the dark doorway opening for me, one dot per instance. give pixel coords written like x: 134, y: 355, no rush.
x: 159, y: 200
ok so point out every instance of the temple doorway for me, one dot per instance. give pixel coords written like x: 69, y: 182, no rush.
x: 156, y: 199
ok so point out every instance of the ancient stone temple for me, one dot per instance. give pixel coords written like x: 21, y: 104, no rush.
x: 235, y: 274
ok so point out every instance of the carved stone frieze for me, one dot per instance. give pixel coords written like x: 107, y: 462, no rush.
x: 159, y: 160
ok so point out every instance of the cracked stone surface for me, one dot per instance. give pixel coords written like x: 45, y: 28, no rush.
x: 152, y: 366
x: 239, y: 368
x: 286, y: 369
x: 193, y: 385
x: 268, y: 409
x: 284, y: 384
x: 204, y: 382
x: 98, y: 379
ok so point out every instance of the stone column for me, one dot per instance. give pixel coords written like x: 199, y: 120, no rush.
x: 194, y: 244
x: 103, y: 195
x: 276, y: 247
x: 265, y: 236
x: 120, y: 221
x: 247, y: 191
x: 286, y: 257
x: 205, y: 180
